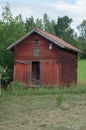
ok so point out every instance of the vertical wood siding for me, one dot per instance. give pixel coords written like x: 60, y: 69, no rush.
x: 22, y: 73
x: 49, y: 73
x: 68, y: 62
x: 24, y: 51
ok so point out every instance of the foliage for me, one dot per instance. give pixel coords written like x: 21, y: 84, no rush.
x: 11, y: 29
x: 38, y: 23
x: 16, y: 88
x: 29, y: 24
x: 59, y: 99
x: 48, y: 25
x: 64, y: 31
x: 82, y: 37
x: 2, y: 69
x: 44, y: 24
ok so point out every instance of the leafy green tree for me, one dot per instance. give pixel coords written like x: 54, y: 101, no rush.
x: 82, y: 29
x: 6, y: 14
x: 29, y: 23
x: 44, y: 24
x: 11, y: 29
x: 38, y: 23
x: 64, y: 31
x: 82, y: 37
x: 48, y: 25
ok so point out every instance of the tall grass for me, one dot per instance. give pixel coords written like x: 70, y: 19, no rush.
x: 16, y: 88
x: 59, y: 99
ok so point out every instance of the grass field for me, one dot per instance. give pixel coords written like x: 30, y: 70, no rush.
x: 82, y: 70
x: 45, y: 109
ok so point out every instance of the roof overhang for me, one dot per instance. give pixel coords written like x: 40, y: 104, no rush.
x: 28, y: 34
x: 11, y: 47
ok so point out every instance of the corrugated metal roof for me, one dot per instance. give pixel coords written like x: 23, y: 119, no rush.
x: 54, y: 39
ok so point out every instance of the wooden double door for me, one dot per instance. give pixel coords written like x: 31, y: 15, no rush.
x: 45, y: 72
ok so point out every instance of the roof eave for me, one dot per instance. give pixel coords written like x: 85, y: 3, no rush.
x: 21, y: 39
x: 50, y: 39
x: 11, y: 47
x: 33, y: 31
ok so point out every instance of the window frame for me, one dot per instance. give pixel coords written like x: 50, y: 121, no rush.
x: 36, y: 52
x: 36, y: 42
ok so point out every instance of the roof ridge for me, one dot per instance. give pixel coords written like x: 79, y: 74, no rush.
x: 53, y: 38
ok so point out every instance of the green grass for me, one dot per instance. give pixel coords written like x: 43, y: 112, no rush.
x: 82, y: 70
x: 18, y: 89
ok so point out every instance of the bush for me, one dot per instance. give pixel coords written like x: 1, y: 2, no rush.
x: 16, y: 88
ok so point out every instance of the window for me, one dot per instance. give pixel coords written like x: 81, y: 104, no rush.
x: 36, y: 52
x: 36, y: 42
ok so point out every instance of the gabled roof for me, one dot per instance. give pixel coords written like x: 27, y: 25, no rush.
x: 54, y: 39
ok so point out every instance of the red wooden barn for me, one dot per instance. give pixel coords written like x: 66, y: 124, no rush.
x: 44, y: 59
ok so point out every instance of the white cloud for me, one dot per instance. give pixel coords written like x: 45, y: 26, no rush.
x: 25, y: 11
x: 81, y: 2
x: 76, y: 11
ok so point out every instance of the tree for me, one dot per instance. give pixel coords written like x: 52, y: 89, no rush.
x: 44, y: 24
x: 29, y: 24
x: 48, y: 25
x: 6, y: 14
x: 82, y: 29
x: 38, y: 23
x: 11, y: 29
x: 82, y: 37
x: 64, y: 31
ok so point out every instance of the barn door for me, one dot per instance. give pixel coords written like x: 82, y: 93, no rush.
x: 35, y: 73
x: 49, y: 73
x: 22, y: 73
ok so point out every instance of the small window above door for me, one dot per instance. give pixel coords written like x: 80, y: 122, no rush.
x: 36, y: 42
x: 36, y: 52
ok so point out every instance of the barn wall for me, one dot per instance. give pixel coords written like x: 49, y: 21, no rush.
x: 48, y: 67
x: 68, y: 61
x: 25, y: 49
x: 57, y: 66
x: 49, y: 73
x: 22, y: 73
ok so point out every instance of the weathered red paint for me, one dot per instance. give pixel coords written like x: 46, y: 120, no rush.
x: 68, y: 62
x: 49, y: 73
x: 24, y: 51
x: 22, y: 73
x: 57, y: 66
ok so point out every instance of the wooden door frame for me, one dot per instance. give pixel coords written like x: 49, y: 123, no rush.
x: 31, y: 72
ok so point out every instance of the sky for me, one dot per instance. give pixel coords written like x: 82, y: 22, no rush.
x: 75, y: 9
